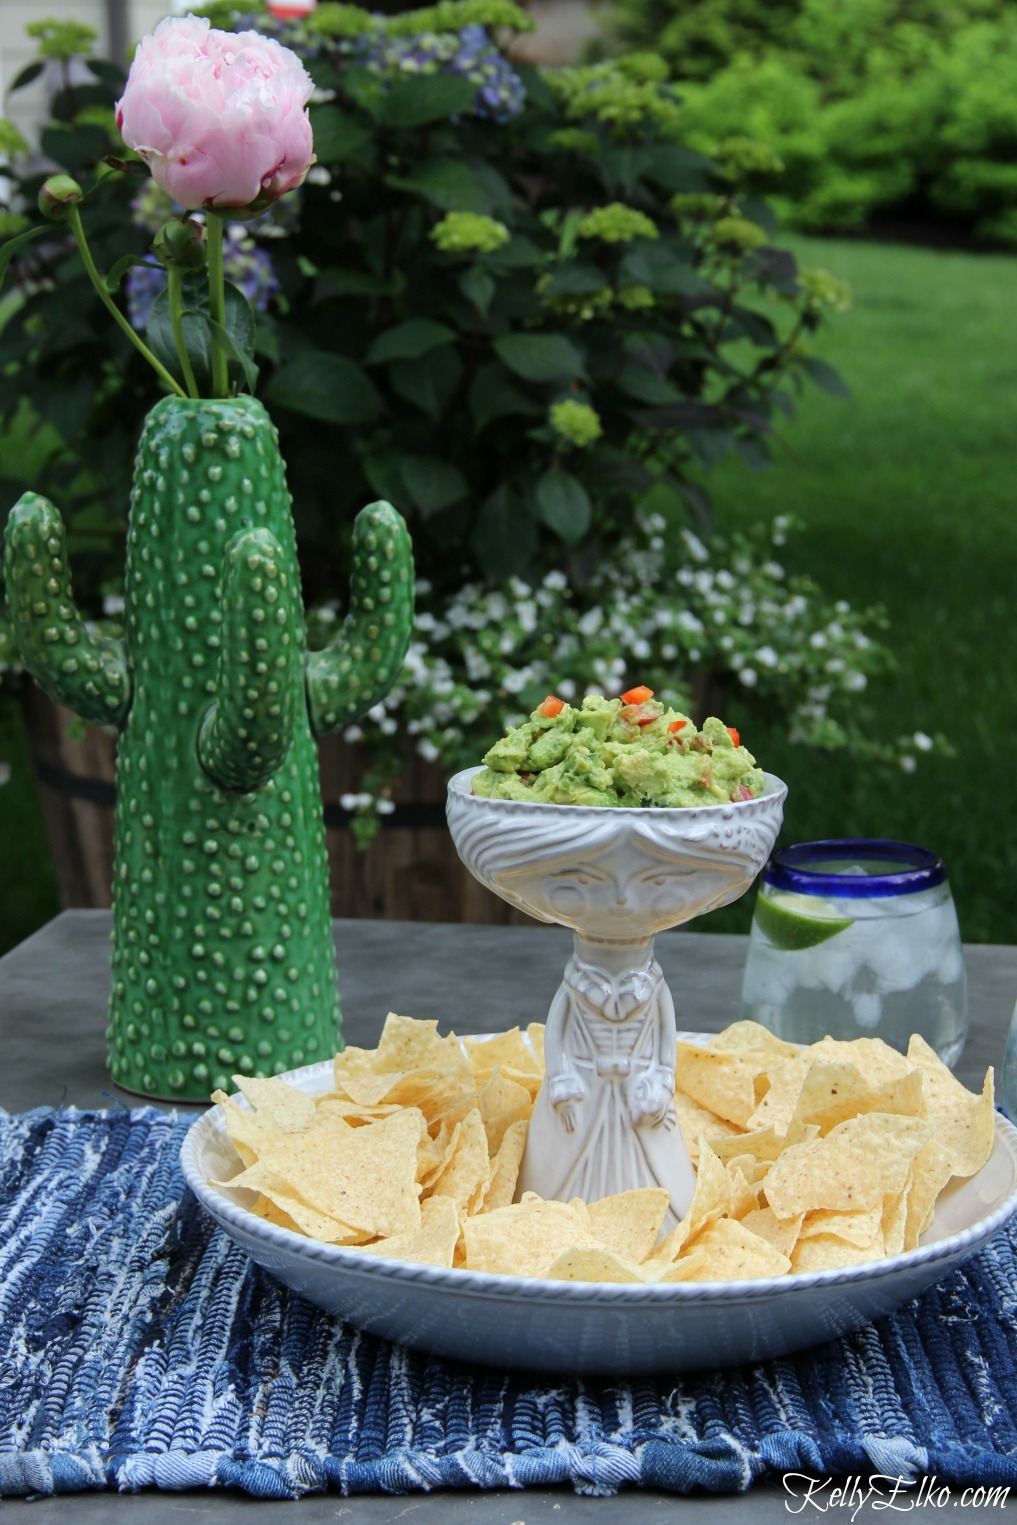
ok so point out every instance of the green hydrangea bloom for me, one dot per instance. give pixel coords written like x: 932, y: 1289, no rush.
x: 605, y: 93
x: 617, y: 224
x: 824, y: 289
x: 469, y: 233
x: 454, y: 15
x: 736, y: 157
x: 12, y: 144
x: 576, y: 422
x: 644, y: 66
x: 331, y: 19
x: 13, y: 223
x: 62, y: 39
x: 576, y: 140
x: 579, y: 308
x: 738, y: 234
x: 697, y: 206
x: 635, y: 298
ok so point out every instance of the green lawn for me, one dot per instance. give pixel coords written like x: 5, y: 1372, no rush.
x: 908, y: 491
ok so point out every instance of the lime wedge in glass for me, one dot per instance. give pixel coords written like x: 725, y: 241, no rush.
x: 791, y: 924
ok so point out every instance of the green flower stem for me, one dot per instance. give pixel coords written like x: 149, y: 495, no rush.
x: 217, y: 303
x: 176, y: 281
x: 77, y: 228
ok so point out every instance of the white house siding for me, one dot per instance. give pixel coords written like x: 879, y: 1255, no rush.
x: 27, y: 107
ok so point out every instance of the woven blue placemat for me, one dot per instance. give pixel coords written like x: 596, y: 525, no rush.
x: 139, y: 1347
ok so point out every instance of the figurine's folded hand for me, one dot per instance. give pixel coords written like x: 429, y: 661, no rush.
x: 564, y: 1091
x: 650, y: 1102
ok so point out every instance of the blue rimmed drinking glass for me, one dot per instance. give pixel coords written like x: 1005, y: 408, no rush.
x: 857, y: 939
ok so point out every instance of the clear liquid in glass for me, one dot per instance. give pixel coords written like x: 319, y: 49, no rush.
x: 897, y: 969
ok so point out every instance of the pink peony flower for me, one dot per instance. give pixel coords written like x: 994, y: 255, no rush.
x: 220, y: 118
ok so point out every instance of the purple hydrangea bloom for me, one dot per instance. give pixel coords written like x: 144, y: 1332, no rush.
x: 469, y: 53
x: 245, y: 263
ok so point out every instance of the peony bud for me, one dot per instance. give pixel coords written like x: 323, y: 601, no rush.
x: 220, y: 118
x: 180, y: 245
x: 58, y: 195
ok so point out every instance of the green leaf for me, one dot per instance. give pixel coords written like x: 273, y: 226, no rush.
x: 29, y: 72
x: 492, y: 395
x: 647, y: 386
x: 239, y: 326
x: 104, y: 69
x: 126, y: 262
x: 478, y: 287
x: 678, y: 169
x: 564, y: 505
x: 447, y: 183
x: 408, y: 341
x: 429, y: 386
x: 381, y: 468
x: 504, y: 537
x: 518, y: 254
x: 337, y: 135
x: 539, y: 357
x: 826, y: 378
x: 337, y: 282
x: 328, y: 387
x: 654, y: 265
x: 427, y: 98
x: 233, y: 350
x: 577, y: 281
x: 14, y: 246
x: 755, y: 326
x: 74, y: 148
x: 432, y: 483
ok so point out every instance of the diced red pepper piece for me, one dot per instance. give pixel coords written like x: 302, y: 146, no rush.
x: 735, y: 738
x: 677, y: 725
x: 637, y: 695
x: 552, y: 706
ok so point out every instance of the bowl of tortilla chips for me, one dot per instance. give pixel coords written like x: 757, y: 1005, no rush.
x: 834, y: 1182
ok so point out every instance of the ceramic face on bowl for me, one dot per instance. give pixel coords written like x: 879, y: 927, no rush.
x: 614, y: 874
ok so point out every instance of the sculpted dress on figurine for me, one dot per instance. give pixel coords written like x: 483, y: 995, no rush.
x: 604, y: 1119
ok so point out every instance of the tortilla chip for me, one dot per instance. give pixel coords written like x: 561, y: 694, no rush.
x: 964, y: 1121
x: 629, y: 1222
x: 526, y: 1238
x: 467, y: 1173
x: 595, y: 1264
x: 848, y: 1170
x: 727, y: 1251
x: 505, y: 1167
x: 720, y: 1082
x: 432, y: 1244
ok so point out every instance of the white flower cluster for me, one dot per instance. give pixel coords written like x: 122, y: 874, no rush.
x: 658, y: 611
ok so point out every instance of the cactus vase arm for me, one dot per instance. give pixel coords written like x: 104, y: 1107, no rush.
x: 87, y: 672
x: 246, y: 733
x: 359, y: 667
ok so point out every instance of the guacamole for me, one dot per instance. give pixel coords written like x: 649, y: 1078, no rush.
x: 627, y: 751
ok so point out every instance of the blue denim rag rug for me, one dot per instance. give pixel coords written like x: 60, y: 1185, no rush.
x: 139, y: 1347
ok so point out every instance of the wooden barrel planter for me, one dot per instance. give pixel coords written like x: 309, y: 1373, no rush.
x: 410, y: 872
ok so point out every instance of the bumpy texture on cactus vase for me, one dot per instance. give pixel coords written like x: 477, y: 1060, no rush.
x: 222, y: 948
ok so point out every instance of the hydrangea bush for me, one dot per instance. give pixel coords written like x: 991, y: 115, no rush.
x: 514, y: 303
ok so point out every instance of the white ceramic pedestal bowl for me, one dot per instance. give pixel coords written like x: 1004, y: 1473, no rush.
x: 604, y: 1120
x: 614, y: 874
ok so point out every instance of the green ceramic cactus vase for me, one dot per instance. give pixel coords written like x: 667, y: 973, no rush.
x: 223, y: 959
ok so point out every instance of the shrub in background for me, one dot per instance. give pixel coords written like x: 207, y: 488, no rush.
x: 868, y: 107
x: 516, y: 304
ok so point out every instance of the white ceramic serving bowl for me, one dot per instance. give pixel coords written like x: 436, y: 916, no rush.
x: 588, y: 1327
x: 614, y: 874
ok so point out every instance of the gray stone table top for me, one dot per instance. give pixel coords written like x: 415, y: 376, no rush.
x: 53, y: 992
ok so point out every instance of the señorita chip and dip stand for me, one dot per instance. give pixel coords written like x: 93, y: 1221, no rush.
x: 745, y: 1156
